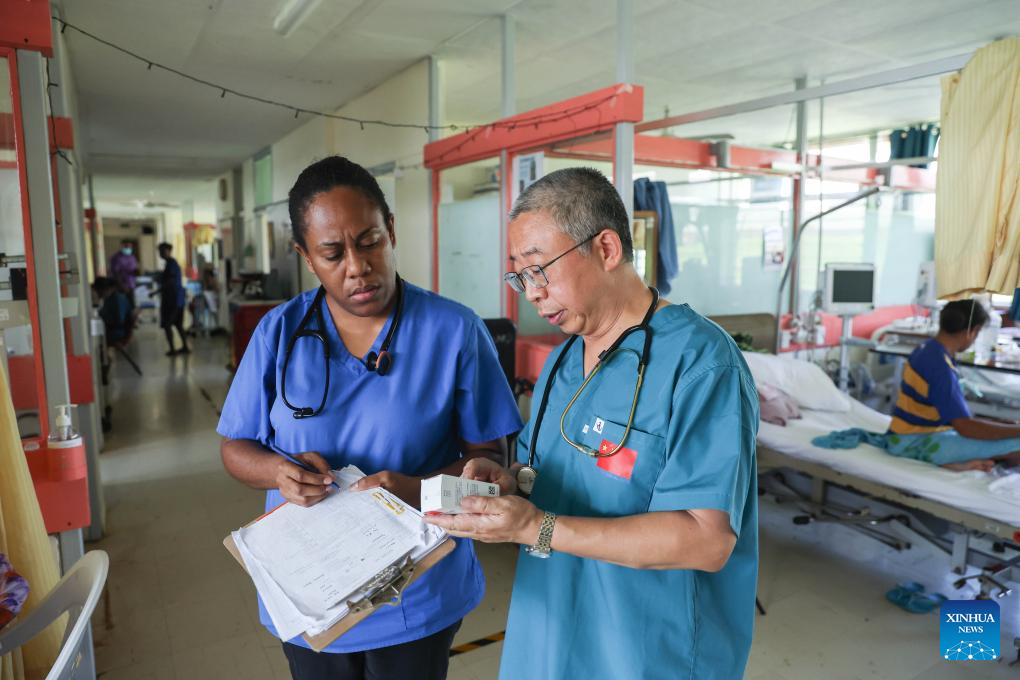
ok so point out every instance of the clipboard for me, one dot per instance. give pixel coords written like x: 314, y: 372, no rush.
x: 387, y: 587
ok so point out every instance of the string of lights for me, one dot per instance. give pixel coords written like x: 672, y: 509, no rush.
x: 473, y: 132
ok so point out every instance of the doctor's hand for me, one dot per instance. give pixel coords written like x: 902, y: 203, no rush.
x: 302, y: 487
x: 506, y: 519
x: 404, y: 487
x: 488, y: 470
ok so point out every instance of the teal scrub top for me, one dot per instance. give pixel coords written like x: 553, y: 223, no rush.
x: 692, y: 447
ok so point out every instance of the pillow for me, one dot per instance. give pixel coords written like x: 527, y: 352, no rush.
x: 808, y: 384
x: 776, y: 406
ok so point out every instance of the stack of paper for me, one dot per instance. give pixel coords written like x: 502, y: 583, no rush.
x: 308, y: 563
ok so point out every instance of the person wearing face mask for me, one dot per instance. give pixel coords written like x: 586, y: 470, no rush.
x: 124, y: 269
x: 641, y: 526
x: 171, y: 302
x: 369, y: 370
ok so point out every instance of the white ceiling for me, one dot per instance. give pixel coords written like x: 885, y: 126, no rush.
x: 695, y: 54
x: 137, y: 120
x: 690, y: 54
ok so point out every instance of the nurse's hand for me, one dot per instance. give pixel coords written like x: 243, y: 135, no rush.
x: 407, y: 489
x: 507, y: 519
x: 488, y: 470
x: 302, y: 487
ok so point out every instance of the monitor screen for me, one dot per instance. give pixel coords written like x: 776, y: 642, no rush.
x: 851, y: 286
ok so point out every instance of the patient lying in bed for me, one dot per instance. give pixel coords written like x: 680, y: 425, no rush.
x: 932, y: 421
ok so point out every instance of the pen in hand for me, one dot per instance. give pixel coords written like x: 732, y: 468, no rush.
x: 303, y: 465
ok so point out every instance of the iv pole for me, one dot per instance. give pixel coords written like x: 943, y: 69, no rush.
x: 796, y: 247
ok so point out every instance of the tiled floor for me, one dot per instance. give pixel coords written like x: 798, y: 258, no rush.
x: 179, y: 608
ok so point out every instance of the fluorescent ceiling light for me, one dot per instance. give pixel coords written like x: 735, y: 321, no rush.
x: 291, y: 14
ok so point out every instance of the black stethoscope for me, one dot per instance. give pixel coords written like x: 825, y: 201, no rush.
x: 378, y: 363
x: 526, y: 475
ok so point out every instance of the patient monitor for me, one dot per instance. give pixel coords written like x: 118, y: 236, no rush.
x: 849, y: 289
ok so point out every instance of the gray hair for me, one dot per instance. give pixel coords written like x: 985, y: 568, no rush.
x: 582, y: 202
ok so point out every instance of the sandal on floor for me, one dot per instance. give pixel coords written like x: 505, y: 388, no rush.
x: 901, y: 594
x: 922, y: 603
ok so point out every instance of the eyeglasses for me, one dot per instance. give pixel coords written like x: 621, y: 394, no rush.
x: 535, y: 274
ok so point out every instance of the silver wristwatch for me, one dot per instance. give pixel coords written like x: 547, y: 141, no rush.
x: 543, y: 546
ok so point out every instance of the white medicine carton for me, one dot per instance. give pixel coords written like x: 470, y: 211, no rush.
x: 443, y: 493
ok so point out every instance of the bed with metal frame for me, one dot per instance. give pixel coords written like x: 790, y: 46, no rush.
x: 877, y: 498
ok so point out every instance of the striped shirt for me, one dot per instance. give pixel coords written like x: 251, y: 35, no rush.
x: 930, y: 394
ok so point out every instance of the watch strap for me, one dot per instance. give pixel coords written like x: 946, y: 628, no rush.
x: 543, y: 546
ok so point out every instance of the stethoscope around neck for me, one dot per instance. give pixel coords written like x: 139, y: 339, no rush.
x: 526, y: 475
x: 377, y: 363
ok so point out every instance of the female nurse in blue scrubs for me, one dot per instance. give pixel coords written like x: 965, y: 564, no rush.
x: 380, y: 374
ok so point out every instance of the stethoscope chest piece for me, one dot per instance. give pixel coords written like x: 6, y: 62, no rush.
x: 379, y: 363
x: 526, y: 477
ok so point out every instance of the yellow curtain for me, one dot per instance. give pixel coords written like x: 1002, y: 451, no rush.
x: 10, y: 664
x: 977, y: 214
x: 23, y: 538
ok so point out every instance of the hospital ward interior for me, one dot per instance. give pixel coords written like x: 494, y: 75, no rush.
x: 290, y: 295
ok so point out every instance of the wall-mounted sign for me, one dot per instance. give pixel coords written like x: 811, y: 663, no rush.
x: 527, y: 170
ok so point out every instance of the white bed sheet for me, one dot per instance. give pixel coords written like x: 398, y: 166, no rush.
x: 964, y: 490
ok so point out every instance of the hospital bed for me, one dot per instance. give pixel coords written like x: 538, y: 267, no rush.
x: 973, y: 517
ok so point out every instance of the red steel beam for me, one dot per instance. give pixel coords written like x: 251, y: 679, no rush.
x: 906, y: 177
x: 26, y: 219
x: 587, y: 114
x: 60, y: 131
x: 25, y: 25
x: 694, y: 154
x: 680, y: 152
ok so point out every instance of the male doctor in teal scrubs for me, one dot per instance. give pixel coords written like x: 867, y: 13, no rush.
x: 640, y: 532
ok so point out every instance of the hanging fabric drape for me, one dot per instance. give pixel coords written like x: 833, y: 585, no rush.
x: 977, y: 215
x: 650, y: 195
x: 23, y: 539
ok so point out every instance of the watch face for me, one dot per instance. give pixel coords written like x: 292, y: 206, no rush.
x: 526, y: 479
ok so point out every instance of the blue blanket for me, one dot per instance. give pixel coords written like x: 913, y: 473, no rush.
x: 851, y: 439
x: 940, y: 448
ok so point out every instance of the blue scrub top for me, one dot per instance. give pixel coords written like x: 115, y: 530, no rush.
x: 694, y: 437
x: 445, y: 383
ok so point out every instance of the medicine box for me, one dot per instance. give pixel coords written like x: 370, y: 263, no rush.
x: 443, y: 493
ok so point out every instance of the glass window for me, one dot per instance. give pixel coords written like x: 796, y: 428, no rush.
x: 12, y: 235
x: 732, y: 233
x: 264, y: 179
x: 470, y: 251
x: 895, y: 231
x: 17, y: 339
